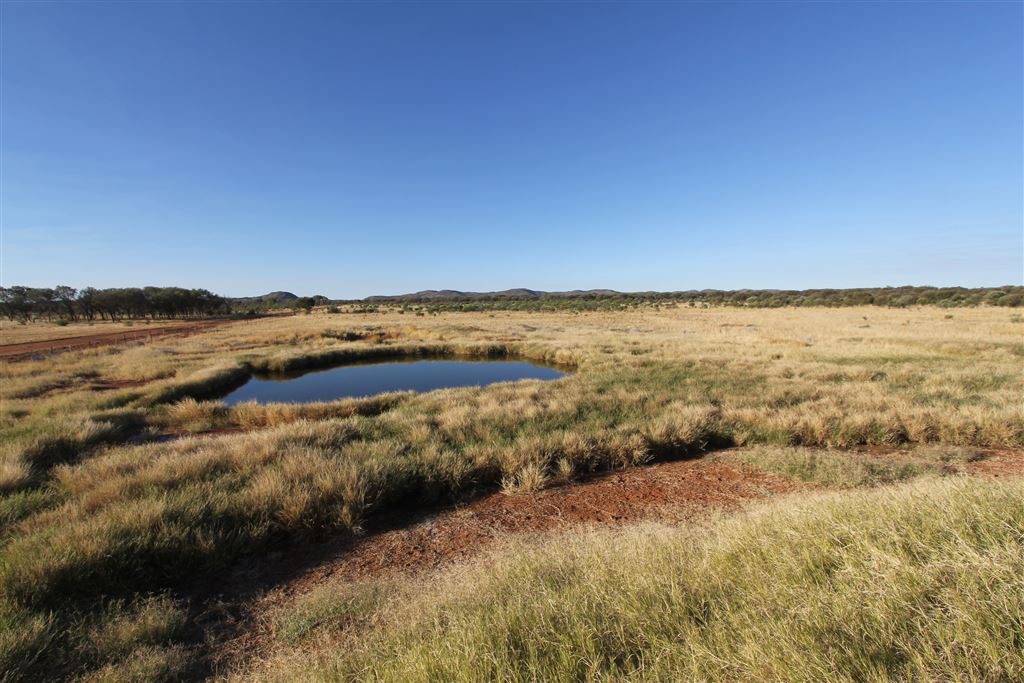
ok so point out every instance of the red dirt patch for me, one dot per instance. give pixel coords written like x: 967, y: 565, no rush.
x: 997, y: 463
x: 26, y: 350
x: 668, y: 491
x: 991, y: 461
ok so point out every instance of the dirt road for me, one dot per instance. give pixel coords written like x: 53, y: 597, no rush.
x: 26, y: 350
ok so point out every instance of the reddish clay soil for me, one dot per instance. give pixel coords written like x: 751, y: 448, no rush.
x: 671, y: 492
x: 1001, y: 462
x: 26, y: 350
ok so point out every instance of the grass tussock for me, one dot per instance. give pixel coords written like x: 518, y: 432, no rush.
x: 291, y: 362
x: 197, y: 416
x: 29, y: 458
x: 917, y: 582
x: 88, y: 517
x: 846, y: 469
x: 203, y: 383
x: 122, y: 641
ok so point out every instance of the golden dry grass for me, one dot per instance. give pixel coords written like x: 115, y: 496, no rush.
x: 88, y: 517
x: 921, y: 582
x: 12, y: 332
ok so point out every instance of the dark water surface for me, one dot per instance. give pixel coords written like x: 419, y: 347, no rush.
x: 366, y: 380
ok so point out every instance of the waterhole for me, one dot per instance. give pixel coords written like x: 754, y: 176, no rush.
x: 376, y: 378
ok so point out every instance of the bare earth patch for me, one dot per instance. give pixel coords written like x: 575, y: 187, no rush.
x: 669, y: 491
x: 1002, y: 462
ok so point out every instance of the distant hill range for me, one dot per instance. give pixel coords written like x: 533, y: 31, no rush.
x: 520, y: 298
x: 519, y: 293
x: 270, y: 299
x: 1009, y: 295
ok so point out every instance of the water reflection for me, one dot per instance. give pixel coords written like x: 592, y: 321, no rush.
x: 366, y: 380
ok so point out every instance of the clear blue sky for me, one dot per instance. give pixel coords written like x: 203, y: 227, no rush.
x: 356, y: 149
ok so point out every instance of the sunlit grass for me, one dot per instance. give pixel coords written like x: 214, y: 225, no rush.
x: 849, y: 469
x: 88, y: 516
x: 918, y: 582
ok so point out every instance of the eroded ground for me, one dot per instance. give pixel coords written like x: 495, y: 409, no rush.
x: 407, y: 544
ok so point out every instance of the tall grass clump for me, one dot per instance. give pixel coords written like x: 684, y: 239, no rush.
x: 204, y: 383
x: 921, y: 581
x: 89, y: 519
x: 28, y: 459
x: 849, y: 469
x: 292, y: 362
x: 122, y: 641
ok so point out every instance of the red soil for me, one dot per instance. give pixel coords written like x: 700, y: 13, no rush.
x: 997, y: 463
x: 669, y: 491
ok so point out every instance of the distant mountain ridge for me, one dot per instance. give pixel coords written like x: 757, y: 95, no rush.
x: 520, y: 297
x: 270, y: 298
x: 518, y: 293
x: 902, y: 296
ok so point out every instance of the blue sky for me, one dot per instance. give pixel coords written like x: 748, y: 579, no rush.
x: 356, y: 149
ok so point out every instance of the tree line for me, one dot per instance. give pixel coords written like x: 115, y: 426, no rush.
x: 893, y: 297
x: 67, y: 303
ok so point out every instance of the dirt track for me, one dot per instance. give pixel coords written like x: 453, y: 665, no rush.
x: 26, y: 350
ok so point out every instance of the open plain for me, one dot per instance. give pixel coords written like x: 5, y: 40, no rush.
x: 525, y: 342
x: 150, y: 531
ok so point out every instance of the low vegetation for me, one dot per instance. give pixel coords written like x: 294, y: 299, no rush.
x: 101, y: 521
x: 851, y: 469
x: 918, y: 582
